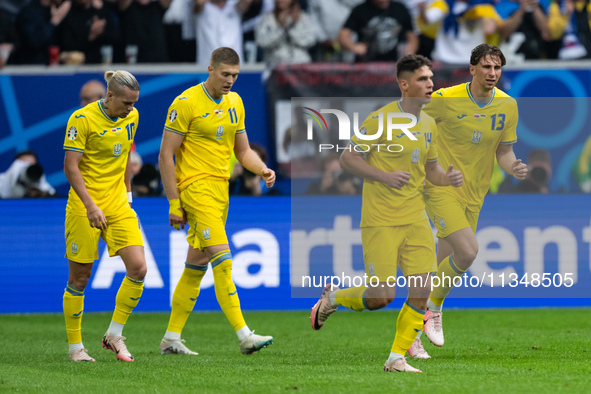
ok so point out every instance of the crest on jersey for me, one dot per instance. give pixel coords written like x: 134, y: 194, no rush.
x: 219, y: 132
x: 172, y: 116
x: 416, y: 154
x: 117, y: 149
x: 476, y: 136
x: 442, y: 223
x: 218, y: 112
x: 206, y: 233
x: 72, y: 133
x: 74, y: 248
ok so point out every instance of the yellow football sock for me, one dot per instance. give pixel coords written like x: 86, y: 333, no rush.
x: 225, y: 291
x: 352, y: 298
x: 73, y: 308
x: 446, y: 272
x: 408, y: 325
x: 128, y: 296
x: 185, y: 295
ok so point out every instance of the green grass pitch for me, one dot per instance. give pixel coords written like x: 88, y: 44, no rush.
x: 497, y: 351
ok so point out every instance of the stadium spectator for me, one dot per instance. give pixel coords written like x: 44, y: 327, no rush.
x: 285, y: 34
x: 539, y: 164
x: 179, y: 25
x: 87, y: 27
x: 582, y: 168
x: 333, y: 179
x: 8, y: 12
x: 146, y: 182
x: 36, y: 25
x: 99, y: 206
x: 219, y: 24
x: 529, y: 19
x: 328, y: 17
x: 382, y: 27
x: 92, y: 91
x: 195, y: 168
x: 243, y: 182
x: 142, y: 30
x: 569, y: 25
x: 25, y: 178
x: 250, y: 19
x: 460, y: 26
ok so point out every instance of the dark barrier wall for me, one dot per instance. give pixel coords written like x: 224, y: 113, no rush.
x: 517, y: 234
x: 34, y: 111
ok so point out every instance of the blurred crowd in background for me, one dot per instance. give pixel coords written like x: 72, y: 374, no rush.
x: 288, y: 31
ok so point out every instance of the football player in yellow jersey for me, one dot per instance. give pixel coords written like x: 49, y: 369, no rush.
x: 395, y: 230
x: 203, y: 126
x: 476, y: 122
x: 97, y: 144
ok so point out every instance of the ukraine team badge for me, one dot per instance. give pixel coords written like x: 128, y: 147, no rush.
x: 218, y: 112
x: 72, y: 133
x: 172, y: 116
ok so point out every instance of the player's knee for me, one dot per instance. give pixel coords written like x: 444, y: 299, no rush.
x: 138, y: 272
x: 79, y: 282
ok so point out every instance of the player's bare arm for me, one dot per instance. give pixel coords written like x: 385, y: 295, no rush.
x: 170, y: 144
x: 353, y: 161
x: 509, y: 163
x: 95, y: 215
x: 251, y: 161
x: 128, y: 175
x: 439, y: 177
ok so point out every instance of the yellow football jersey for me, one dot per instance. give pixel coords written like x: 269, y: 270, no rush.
x: 105, y: 143
x: 383, y: 205
x: 469, y: 135
x: 209, y: 127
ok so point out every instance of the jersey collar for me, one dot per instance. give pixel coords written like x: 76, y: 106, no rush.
x: 102, y: 108
x: 399, y: 102
x: 479, y: 104
x: 217, y: 101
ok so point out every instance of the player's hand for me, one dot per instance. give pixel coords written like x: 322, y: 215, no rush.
x: 359, y: 49
x: 176, y: 214
x: 269, y: 177
x: 96, y: 218
x: 455, y: 177
x: 519, y: 170
x: 397, y: 179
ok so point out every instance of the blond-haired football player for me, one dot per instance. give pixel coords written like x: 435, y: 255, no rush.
x: 203, y: 126
x: 97, y: 144
x: 476, y: 121
x: 395, y: 230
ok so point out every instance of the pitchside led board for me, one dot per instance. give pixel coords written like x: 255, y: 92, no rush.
x: 519, y: 236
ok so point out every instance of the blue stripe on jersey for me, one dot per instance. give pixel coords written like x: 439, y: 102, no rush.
x: 508, y: 142
x: 174, y: 131
x: 100, y: 104
x: 218, y: 101
x: 480, y: 105
x: 74, y: 149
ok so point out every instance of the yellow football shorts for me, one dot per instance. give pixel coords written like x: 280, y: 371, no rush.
x: 206, y: 203
x: 449, y: 214
x: 82, y: 240
x: 410, y: 247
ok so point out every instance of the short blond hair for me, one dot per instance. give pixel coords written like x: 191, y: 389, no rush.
x: 117, y: 80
